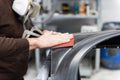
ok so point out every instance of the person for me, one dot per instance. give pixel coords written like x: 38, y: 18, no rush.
x: 14, y: 50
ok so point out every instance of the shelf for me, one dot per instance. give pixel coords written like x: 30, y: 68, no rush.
x: 58, y: 17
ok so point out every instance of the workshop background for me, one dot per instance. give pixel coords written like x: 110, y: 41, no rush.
x: 109, y: 13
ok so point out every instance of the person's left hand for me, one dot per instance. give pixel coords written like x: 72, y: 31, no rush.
x: 49, y: 39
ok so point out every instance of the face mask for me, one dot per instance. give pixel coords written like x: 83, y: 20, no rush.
x: 22, y: 7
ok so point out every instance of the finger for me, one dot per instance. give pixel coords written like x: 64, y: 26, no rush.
x: 67, y: 35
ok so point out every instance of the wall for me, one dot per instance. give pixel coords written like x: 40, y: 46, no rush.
x: 110, y: 10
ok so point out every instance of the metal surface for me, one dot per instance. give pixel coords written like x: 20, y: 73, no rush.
x: 65, y: 61
x: 37, y: 59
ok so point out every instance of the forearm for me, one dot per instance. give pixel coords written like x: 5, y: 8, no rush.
x: 10, y: 46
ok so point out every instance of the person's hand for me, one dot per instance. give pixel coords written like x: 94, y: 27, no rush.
x: 49, y: 39
x: 52, y: 39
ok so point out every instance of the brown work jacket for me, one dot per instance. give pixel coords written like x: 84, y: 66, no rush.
x: 13, y: 50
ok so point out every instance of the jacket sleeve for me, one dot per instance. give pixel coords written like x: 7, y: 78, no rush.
x: 11, y: 46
